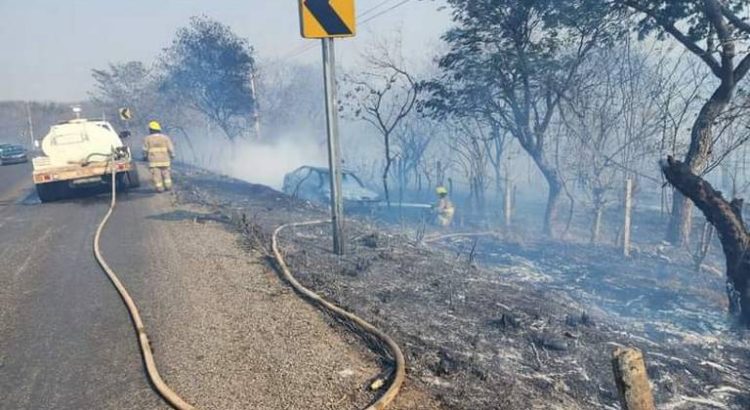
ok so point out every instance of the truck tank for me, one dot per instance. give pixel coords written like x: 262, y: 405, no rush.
x: 73, y: 141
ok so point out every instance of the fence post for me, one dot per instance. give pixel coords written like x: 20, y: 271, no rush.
x: 628, y: 216
x: 508, y: 202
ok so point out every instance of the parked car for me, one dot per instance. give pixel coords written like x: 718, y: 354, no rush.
x: 13, y: 154
x: 313, y: 184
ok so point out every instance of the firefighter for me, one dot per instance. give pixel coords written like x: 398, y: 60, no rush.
x: 444, y: 209
x: 159, y: 151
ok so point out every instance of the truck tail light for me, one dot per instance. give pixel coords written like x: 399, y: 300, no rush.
x: 43, y: 178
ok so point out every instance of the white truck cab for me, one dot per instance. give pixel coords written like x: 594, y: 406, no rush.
x: 79, y: 153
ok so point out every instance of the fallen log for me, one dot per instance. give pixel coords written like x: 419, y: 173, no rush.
x: 632, y: 380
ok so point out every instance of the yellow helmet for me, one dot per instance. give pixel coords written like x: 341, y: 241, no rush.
x: 441, y: 190
x: 154, y: 126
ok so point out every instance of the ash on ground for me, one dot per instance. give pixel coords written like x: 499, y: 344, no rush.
x: 487, y: 323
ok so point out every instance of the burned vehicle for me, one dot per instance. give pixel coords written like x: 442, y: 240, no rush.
x: 313, y: 184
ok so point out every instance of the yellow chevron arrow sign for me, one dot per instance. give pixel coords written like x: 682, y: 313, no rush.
x: 327, y: 18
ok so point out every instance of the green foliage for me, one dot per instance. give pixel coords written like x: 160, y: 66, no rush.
x: 688, y: 15
x: 209, y: 67
x: 511, y: 62
x: 506, y: 57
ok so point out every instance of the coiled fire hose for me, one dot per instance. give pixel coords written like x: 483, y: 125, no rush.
x: 148, y: 356
x: 400, y: 366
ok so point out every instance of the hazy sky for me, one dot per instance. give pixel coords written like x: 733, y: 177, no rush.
x: 50, y: 46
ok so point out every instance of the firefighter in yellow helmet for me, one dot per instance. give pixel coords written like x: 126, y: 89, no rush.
x: 444, y: 209
x: 159, y: 151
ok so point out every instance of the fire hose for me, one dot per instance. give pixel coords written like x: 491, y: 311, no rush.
x: 148, y: 356
x: 400, y: 367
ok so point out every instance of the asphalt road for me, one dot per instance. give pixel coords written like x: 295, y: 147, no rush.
x: 66, y: 340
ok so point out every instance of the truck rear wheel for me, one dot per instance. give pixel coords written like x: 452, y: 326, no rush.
x: 134, y: 180
x: 49, y: 192
x: 127, y: 180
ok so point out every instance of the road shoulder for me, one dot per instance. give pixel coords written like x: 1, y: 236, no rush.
x: 227, y: 333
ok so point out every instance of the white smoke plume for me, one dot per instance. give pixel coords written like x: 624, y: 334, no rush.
x: 259, y: 162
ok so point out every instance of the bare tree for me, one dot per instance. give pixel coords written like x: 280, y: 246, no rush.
x: 411, y: 144
x: 469, y: 148
x: 496, y: 147
x: 383, y: 96
x: 611, y: 120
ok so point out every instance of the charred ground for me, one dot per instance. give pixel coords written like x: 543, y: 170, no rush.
x: 498, y: 323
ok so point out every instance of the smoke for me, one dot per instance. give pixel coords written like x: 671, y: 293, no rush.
x: 259, y: 162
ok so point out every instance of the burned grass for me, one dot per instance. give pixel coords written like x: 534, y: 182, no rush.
x: 497, y: 325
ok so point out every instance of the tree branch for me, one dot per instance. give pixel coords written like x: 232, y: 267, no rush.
x: 678, y: 35
x: 717, y: 210
x: 735, y: 20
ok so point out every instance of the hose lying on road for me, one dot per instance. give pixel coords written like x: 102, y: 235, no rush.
x: 400, y: 366
x: 148, y: 356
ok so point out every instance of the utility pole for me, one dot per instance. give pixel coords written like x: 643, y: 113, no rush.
x: 334, y: 148
x: 31, y: 125
x: 256, y: 106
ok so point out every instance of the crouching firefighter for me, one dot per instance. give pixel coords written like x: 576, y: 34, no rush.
x: 159, y: 151
x: 444, y: 209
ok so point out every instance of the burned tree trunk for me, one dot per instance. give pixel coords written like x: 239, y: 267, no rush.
x: 680, y: 220
x: 387, y: 169
x: 596, y: 224
x: 726, y: 217
x: 553, y: 199
x: 680, y: 223
x: 703, y: 246
x: 554, y: 185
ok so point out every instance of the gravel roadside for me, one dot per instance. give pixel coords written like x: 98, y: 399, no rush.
x: 227, y: 332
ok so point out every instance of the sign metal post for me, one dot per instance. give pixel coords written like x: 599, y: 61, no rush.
x: 326, y: 20
x: 334, y: 148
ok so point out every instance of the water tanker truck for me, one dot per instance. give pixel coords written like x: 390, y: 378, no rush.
x: 80, y: 153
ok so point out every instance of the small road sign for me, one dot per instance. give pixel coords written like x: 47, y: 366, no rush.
x: 126, y: 114
x: 327, y: 18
